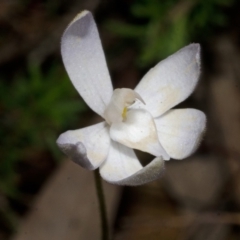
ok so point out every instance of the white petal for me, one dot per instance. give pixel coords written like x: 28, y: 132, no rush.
x: 85, y: 63
x: 122, y: 167
x: 138, y: 132
x: 88, y: 146
x: 121, y: 163
x: 180, y: 131
x: 171, y: 81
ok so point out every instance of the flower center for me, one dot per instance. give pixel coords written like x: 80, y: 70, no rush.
x: 116, y: 111
x: 124, y: 113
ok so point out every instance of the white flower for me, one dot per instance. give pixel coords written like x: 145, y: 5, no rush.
x: 135, y: 119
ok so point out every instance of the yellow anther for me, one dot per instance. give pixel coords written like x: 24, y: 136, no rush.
x: 124, y: 113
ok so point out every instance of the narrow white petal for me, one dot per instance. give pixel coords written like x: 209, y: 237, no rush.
x: 88, y: 146
x: 123, y: 168
x: 121, y: 163
x: 180, y: 131
x: 149, y: 173
x: 138, y: 131
x: 171, y: 81
x: 85, y: 62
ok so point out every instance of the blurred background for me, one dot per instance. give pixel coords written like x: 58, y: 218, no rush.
x: 198, y: 198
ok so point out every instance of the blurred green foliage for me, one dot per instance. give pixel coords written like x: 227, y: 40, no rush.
x: 160, y: 28
x: 34, y: 109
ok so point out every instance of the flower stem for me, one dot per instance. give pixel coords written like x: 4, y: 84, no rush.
x: 102, y: 207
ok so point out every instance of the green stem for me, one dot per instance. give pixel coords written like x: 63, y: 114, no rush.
x: 102, y: 207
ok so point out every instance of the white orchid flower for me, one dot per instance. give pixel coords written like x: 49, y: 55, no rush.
x: 134, y: 119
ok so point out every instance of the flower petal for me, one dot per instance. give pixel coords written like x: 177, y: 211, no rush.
x: 85, y: 63
x: 88, y: 146
x: 122, y: 167
x: 121, y: 162
x: 171, y: 81
x: 180, y: 131
x: 138, y: 131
